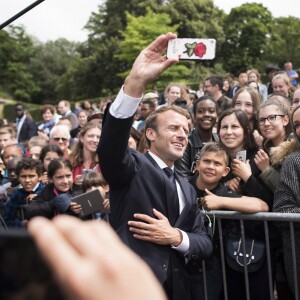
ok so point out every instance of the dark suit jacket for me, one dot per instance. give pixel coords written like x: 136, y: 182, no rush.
x: 137, y: 185
x: 28, y: 130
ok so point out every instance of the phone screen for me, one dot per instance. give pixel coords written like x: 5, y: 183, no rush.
x: 23, y: 273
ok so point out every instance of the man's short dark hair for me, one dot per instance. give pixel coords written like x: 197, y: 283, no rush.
x: 28, y: 163
x: 216, y: 80
x: 150, y: 103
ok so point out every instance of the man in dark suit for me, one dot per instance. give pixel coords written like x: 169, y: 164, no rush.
x: 26, y: 127
x: 154, y: 217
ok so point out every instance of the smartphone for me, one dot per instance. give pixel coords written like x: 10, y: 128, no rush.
x: 23, y: 272
x: 193, y: 49
x: 86, y: 171
x: 241, y: 155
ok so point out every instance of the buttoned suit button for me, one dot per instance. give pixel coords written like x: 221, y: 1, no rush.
x: 164, y: 267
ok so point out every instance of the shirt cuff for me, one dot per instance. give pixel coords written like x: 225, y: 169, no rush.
x: 124, y: 105
x: 184, y: 246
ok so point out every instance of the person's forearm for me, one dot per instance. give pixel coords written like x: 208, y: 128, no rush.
x: 245, y: 204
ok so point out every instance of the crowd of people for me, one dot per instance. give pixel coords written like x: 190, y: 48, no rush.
x: 235, y: 140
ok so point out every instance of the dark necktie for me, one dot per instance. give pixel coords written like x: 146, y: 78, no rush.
x: 175, y: 204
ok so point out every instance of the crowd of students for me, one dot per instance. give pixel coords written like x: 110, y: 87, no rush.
x: 44, y: 165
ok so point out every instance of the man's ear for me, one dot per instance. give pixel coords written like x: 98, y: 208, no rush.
x: 226, y: 171
x: 151, y: 134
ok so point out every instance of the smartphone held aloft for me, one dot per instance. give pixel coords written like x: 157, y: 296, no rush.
x: 192, y: 49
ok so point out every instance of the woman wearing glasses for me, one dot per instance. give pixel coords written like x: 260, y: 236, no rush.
x: 286, y: 200
x: 274, y: 126
x: 83, y: 155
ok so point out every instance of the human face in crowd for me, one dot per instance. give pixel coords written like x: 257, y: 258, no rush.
x: 296, y: 101
x: 243, y: 79
x: 244, y: 102
x: 60, y: 139
x: 173, y: 94
x: 87, y: 105
x: 275, y: 130
x: 288, y: 67
x: 11, y: 152
x: 82, y: 118
x: 170, y: 139
x: 63, y: 179
x: 91, y: 139
x: 62, y: 108
x: 226, y: 85
x: 48, y: 158
x: 280, y: 87
x: 29, y: 179
x: 252, y: 77
x: 12, y: 176
x: 231, y: 133
x: 47, y: 115
x: 296, y: 122
x: 206, y: 114
x: 145, y: 111
x: 19, y: 111
x: 5, y: 140
x: 155, y: 101
x: 253, y: 85
x: 34, y: 152
x: 210, y: 89
x: 65, y: 122
x: 211, y: 167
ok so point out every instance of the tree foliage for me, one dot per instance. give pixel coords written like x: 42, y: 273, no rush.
x: 285, y: 42
x: 247, y: 30
x: 48, y: 63
x: 16, y: 48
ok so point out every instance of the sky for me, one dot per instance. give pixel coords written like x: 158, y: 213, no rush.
x: 53, y: 19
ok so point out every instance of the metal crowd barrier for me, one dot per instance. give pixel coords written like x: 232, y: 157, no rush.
x: 289, y: 218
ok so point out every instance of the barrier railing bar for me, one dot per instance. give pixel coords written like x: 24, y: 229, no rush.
x: 289, y: 217
x: 222, y: 259
x: 292, y: 234
x: 266, y: 228
x: 245, y: 259
x: 204, y: 279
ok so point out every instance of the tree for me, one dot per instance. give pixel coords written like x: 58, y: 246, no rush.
x: 47, y: 64
x: 247, y: 33
x: 16, y: 48
x: 285, y: 42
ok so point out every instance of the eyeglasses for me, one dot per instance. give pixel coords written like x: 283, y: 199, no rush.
x: 57, y: 139
x: 270, y: 118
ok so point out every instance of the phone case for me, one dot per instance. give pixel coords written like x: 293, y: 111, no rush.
x: 204, y: 49
x: 242, y: 155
